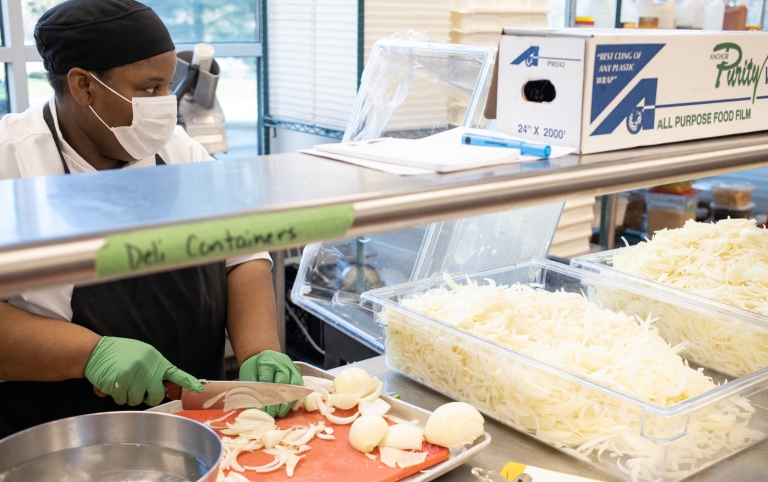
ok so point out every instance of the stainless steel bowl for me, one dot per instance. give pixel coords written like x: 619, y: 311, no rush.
x: 112, y: 447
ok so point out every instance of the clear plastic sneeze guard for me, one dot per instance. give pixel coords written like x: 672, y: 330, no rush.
x: 619, y: 432
x: 414, y: 89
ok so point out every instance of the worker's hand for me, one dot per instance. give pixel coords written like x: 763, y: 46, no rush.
x: 132, y: 372
x: 273, y: 367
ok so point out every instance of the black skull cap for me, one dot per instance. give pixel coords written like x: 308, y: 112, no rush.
x: 99, y: 35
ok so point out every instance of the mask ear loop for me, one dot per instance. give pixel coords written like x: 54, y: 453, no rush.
x: 108, y: 87
x: 113, y: 91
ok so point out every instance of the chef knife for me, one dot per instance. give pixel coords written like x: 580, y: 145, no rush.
x: 229, y: 395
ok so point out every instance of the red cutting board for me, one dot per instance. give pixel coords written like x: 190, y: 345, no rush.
x: 329, y: 460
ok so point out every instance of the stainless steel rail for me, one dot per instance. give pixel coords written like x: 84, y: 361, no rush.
x: 539, y: 187
x: 52, y: 228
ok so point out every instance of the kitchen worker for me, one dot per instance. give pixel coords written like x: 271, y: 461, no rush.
x: 110, y: 63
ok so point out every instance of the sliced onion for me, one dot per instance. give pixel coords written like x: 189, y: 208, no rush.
x: 315, y: 382
x: 324, y: 394
x: 235, y: 477
x: 376, y: 392
x: 341, y: 421
x: 395, y: 457
x: 233, y: 464
x: 255, y: 415
x: 309, y: 435
x: 274, y: 437
x: 324, y: 436
x: 296, y: 434
x: 370, y: 456
x: 291, y: 465
x: 392, y: 418
x: 312, y: 401
x: 344, y: 401
x: 242, y: 397
x: 220, y: 419
x: 404, y: 437
x: 352, y: 380
x: 280, y: 459
x: 303, y: 449
x: 376, y: 407
x: 324, y: 410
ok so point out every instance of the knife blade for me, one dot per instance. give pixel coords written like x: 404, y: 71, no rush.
x: 230, y: 395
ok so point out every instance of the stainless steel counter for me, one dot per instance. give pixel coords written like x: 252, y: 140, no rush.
x: 52, y: 228
x: 509, y: 445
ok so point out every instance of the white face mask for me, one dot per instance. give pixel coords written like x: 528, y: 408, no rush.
x: 154, y: 119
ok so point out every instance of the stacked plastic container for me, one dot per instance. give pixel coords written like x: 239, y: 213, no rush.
x: 479, y: 22
x: 425, y: 20
x: 574, y: 229
x: 732, y: 200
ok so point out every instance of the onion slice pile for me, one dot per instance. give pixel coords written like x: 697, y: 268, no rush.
x: 400, y: 445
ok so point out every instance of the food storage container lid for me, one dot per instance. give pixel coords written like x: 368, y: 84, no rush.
x: 333, y: 274
x: 734, y: 186
x: 743, y: 207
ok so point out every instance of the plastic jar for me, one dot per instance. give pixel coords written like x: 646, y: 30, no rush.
x: 733, y: 193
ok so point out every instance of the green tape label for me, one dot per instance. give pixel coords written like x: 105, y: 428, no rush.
x: 194, y: 242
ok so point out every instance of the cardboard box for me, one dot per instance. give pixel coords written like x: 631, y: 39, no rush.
x: 602, y: 90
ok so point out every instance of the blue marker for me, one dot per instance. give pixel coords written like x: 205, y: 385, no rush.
x: 538, y: 150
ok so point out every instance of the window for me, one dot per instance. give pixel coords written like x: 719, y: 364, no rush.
x: 237, y: 94
x: 209, y: 20
x: 4, y: 107
x: 40, y: 91
x: 232, y: 26
x: 31, y: 11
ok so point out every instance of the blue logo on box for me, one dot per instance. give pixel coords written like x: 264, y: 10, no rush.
x: 531, y: 57
x: 615, y: 67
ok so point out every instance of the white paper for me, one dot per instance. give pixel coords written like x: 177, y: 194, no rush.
x: 379, y: 166
x: 447, y: 138
x: 426, y: 153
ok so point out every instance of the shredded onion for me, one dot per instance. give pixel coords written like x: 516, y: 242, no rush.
x: 726, y: 262
x: 567, y: 331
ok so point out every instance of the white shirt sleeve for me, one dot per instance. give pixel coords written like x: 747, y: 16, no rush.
x: 235, y: 260
x: 55, y: 302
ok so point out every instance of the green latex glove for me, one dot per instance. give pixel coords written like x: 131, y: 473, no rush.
x: 132, y: 372
x: 271, y: 366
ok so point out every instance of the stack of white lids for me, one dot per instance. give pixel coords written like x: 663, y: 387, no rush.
x: 479, y: 22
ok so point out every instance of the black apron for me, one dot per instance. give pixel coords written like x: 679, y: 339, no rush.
x: 181, y: 313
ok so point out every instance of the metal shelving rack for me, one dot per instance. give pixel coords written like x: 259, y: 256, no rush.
x: 266, y: 121
x: 52, y: 228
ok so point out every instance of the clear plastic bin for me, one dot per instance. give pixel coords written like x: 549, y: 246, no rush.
x: 685, y: 202
x: 725, y: 338
x: 488, y: 240
x: 730, y: 193
x: 670, y: 442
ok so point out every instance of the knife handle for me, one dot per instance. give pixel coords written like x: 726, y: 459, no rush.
x: 172, y: 391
